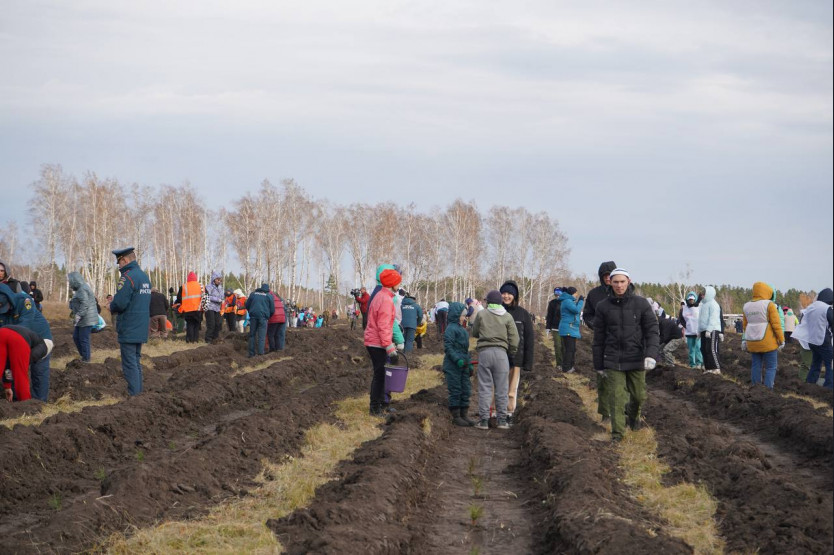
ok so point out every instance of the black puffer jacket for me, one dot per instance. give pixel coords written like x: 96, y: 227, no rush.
x: 625, y: 332
x: 669, y: 330
x: 554, y: 314
x: 526, y: 339
x: 598, y: 293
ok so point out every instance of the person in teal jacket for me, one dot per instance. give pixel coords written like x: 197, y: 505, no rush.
x: 457, y: 365
x: 571, y: 308
x: 132, y: 302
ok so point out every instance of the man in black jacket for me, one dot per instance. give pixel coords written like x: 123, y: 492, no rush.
x: 159, y: 312
x: 551, y: 324
x: 626, y: 341
x: 595, y: 295
x: 671, y: 337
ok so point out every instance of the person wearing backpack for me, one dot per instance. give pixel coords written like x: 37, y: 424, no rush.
x: 763, y: 335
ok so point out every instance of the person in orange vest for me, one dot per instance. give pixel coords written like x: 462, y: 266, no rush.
x: 240, y: 309
x: 189, y: 300
x: 227, y: 309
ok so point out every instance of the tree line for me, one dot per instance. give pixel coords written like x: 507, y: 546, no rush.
x: 280, y: 234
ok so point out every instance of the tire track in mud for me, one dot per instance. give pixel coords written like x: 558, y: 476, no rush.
x: 192, y: 440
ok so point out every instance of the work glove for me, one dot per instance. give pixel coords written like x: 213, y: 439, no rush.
x: 744, y: 346
x: 461, y: 363
x: 649, y: 363
x: 393, y: 358
x: 780, y: 347
x: 602, y: 374
x: 390, y: 349
x: 400, y: 346
x: 721, y: 337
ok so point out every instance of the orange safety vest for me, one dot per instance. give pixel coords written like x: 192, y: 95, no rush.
x: 192, y: 293
x: 241, y: 306
x: 228, y: 306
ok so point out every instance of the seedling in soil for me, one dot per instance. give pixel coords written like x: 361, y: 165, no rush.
x: 477, y: 485
x: 140, y: 455
x: 475, y: 551
x: 473, y: 464
x: 426, y: 426
x: 100, y: 474
x: 55, y: 501
x: 172, y: 445
x: 475, y: 513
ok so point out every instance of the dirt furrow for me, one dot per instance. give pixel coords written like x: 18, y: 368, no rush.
x: 169, y: 453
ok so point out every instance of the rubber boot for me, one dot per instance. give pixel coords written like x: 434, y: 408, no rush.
x: 463, y: 414
x: 456, y: 419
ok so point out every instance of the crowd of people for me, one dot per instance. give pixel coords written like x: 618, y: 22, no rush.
x: 632, y: 334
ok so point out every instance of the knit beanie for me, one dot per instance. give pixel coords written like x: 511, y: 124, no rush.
x: 509, y: 288
x: 390, y: 278
x: 494, y: 297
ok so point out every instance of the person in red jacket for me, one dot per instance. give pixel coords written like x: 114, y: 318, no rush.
x: 363, y: 298
x: 276, y: 326
x: 19, y: 347
x: 379, y: 336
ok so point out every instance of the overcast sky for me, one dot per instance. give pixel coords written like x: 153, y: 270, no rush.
x: 659, y: 133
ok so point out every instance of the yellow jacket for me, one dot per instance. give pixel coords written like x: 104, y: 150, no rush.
x: 773, y: 335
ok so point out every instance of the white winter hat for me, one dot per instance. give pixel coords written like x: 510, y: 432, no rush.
x: 620, y: 272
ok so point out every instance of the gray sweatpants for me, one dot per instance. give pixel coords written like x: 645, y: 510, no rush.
x: 493, y: 373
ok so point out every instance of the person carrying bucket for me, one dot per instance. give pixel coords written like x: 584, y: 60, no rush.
x: 456, y: 365
x: 379, y: 336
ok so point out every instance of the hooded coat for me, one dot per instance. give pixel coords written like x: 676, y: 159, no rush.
x: 762, y: 308
x: 260, y: 303
x: 21, y: 311
x: 570, y: 311
x: 83, y: 302
x: 280, y: 315
x: 214, y: 293
x: 625, y: 333
x: 455, y: 340
x: 598, y: 293
x: 709, y: 318
x: 523, y: 358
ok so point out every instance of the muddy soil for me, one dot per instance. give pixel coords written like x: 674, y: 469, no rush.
x: 194, y: 438
x: 544, y: 486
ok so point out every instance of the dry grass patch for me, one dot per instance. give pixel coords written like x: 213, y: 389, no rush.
x: 239, y: 526
x: 811, y: 401
x: 256, y: 367
x: 689, y: 510
x: 63, y: 405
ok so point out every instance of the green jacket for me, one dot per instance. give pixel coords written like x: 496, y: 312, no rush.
x: 494, y: 327
x: 455, y: 340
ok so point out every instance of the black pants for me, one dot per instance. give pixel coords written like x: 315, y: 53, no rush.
x: 418, y: 340
x: 230, y: 318
x: 709, y: 349
x: 378, y: 358
x: 364, y: 320
x: 568, y: 352
x: 214, y: 323
x: 193, y: 323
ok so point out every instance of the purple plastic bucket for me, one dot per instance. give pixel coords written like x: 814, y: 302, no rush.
x: 395, y: 377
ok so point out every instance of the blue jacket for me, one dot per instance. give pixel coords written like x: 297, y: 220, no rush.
x: 260, y: 303
x: 412, y: 313
x: 83, y: 302
x: 455, y: 341
x: 22, y: 312
x: 132, y: 302
x: 710, y: 317
x: 570, y: 311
